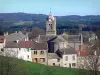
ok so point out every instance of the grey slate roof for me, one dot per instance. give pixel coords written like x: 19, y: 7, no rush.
x: 40, y: 46
x: 19, y: 44
x: 69, y: 51
x: 11, y: 44
x: 16, y: 36
x: 53, y: 56
x: 73, y: 38
x: 59, y: 39
x: 44, y: 38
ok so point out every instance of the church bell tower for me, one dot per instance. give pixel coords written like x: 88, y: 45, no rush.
x: 51, y: 25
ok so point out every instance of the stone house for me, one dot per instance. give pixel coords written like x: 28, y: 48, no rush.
x: 54, y: 60
x: 18, y: 49
x: 69, y: 58
x: 39, y: 52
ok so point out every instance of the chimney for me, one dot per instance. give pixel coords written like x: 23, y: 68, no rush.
x: 95, y: 52
x: 15, y: 31
x: 38, y: 38
x: 17, y: 41
x: 5, y: 33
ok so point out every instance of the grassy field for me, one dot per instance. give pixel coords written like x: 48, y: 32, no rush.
x: 11, y: 66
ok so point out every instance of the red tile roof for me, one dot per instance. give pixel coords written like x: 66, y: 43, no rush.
x: 82, y: 52
x: 25, y: 44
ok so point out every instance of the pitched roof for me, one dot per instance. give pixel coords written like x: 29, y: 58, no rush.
x: 19, y: 44
x: 73, y: 38
x: 59, y: 39
x: 25, y: 44
x: 15, y: 36
x: 44, y: 38
x: 11, y: 44
x: 68, y: 51
x: 82, y: 52
x: 53, y: 56
x: 2, y: 39
x: 40, y: 46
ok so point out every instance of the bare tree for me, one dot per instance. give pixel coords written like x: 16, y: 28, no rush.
x: 91, y: 62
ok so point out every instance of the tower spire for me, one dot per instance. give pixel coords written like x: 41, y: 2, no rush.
x: 50, y: 12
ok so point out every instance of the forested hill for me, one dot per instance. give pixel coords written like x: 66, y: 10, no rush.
x: 12, y: 19
x: 42, y: 17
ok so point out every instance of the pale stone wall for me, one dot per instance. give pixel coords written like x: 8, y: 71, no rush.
x: 25, y: 54
x: 51, y: 25
x: 39, y: 56
x: 69, y: 61
x: 52, y: 61
x: 76, y: 45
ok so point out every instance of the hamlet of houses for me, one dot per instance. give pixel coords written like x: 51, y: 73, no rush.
x: 50, y: 49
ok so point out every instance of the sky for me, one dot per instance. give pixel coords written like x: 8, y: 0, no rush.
x: 58, y: 7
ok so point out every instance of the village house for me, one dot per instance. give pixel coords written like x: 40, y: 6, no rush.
x: 69, y: 58
x: 39, y: 52
x: 2, y: 44
x: 18, y: 49
x: 54, y: 60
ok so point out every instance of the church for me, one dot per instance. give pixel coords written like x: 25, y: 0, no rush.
x: 59, y: 43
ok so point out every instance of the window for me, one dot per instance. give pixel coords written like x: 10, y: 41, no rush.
x: 53, y: 64
x: 73, y: 64
x: 35, y: 52
x: 19, y: 49
x: 73, y: 57
x: 70, y: 65
x: 66, y: 58
x: 51, y: 26
x: 2, y: 49
x: 59, y: 64
x: 28, y: 49
x: 42, y: 59
x: 58, y: 60
x: 42, y: 52
x: 27, y: 56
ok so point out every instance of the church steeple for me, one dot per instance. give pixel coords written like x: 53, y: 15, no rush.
x: 51, y: 25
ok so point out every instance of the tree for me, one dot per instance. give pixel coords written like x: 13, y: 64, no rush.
x: 91, y: 62
x: 35, y: 32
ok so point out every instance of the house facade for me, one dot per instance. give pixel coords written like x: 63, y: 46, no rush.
x: 39, y: 52
x: 18, y: 49
x: 54, y: 60
x: 69, y: 58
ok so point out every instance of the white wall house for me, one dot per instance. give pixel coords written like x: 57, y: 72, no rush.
x: 18, y: 49
x: 2, y: 44
x: 25, y: 54
x: 69, y: 58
